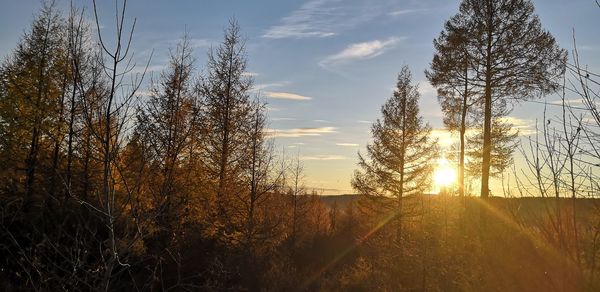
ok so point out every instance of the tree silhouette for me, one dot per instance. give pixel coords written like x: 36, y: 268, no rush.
x: 227, y: 118
x: 401, y: 156
x: 513, y: 57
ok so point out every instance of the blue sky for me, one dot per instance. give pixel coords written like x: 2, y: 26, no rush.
x: 324, y: 66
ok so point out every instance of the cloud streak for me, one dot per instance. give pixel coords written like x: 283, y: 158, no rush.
x: 300, y: 132
x: 261, y: 86
x: 283, y: 119
x: 311, y: 20
x: 323, y: 157
x: 324, y: 18
x: 405, y: 12
x: 347, y: 144
x: 360, y: 51
x: 286, y: 95
x: 524, y: 126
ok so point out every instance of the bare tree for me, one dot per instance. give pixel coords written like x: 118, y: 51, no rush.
x: 115, y: 108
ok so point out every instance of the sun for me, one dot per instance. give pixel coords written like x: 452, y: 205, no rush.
x: 444, y: 174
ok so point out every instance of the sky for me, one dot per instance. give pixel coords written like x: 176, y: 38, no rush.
x: 324, y: 67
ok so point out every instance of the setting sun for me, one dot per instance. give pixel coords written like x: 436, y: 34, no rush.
x: 444, y: 174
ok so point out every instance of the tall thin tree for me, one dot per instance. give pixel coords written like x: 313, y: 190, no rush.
x: 399, y: 162
x: 227, y: 114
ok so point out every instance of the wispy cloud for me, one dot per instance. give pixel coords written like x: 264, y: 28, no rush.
x: 300, y: 132
x: 364, y: 122
x: 360, y: 51
x: 405, y: 12
x: 286, y: 95
x: 323, y: 157
x: 347, y: 144
x: 261, y: 86
x: 283, y: 119
x: 310, y: 20
x: 517, y: 122
x: 250, y: 74
x: 574, y: 102
x: 329, y: 191
x: 524, y: 126
x: 323, y: 18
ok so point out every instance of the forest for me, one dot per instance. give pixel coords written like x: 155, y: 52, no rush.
x: 113, y: 179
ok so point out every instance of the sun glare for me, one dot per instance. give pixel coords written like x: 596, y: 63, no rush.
x: 444, y: 174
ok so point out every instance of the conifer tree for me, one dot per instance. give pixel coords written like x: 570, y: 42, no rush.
x: 399, y: 160
x: 32, y: 86
x: 504, y: 143
x: 227, y: 113
x: 167, y: 126
x: 513, y: 57
x: 453, y: 75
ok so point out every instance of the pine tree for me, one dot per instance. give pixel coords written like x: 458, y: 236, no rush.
x: 453, y: 75
x: 400, y: 159
x: 262, y: 177
x: 167, y: 127
x: 504, y: 143
x: 32, y: 86
x: 226, y: 117
x: 513, y: 56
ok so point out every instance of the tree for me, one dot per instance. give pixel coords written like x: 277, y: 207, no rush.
x: 298, y: 194
x: 226, y: 116
x: 32, y: 86
x: 453, y: 75
x: 504, y: 143
x: 259, y: 221
x: 400, y: 157
x: 114, y: 114
x: 513, y: 56
x: 81, y: 55
x: 167, y: 127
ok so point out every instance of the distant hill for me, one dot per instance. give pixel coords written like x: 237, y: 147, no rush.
x: 524, y: 204
x: 341, y: 200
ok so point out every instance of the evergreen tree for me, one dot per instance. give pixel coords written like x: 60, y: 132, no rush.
x: 400, y: 159
x: 514, y: 58
x: 32, y: 85
x: 227, y: 113
x: 453, y: 75
x: 504, y: 143
x: 167, y: 126
x: 257, y: 203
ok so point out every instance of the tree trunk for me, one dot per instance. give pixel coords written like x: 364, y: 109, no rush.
x: 401, y: 168
x: 487, y: 124
x: 463, y: 128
